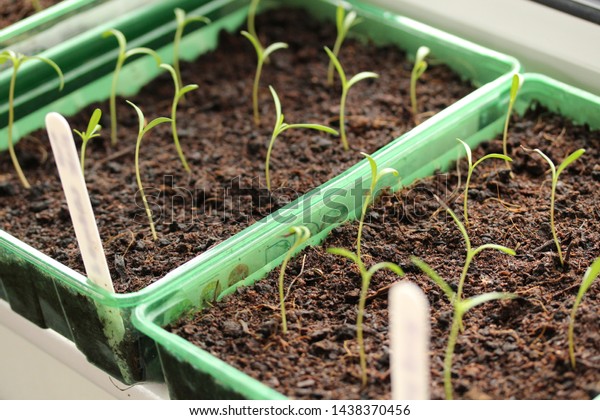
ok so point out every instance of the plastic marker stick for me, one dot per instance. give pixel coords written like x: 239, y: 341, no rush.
x: 409, y: 342
x: 78, y: 200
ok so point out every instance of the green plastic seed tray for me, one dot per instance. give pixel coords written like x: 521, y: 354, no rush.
x: 53, y: 296
x: 192, y: 373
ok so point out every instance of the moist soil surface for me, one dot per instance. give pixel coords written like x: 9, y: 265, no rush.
x: 12, y: 11
x: 226, y: 190
x: 513, y: 349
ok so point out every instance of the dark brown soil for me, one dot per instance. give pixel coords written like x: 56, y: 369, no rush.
x: 225, y: 191
x: 509, y: 350
x: 12, y: 11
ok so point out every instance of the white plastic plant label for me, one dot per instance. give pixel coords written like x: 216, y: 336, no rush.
x: 78, y: 200
x: 409, y: 342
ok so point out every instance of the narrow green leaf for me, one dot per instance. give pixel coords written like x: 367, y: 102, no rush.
x: 420, y: 69
x: 156, y: 122
x: 468, y: 150
x: 173, y: 73
x: 179, y: 16
x: 187, y: 89
x: 140, y: 115
x: 255, y: 43
x: 278, y: 119
x: 547, y: 159
x: 517, y: 81
x: 568, y: 160
x: 339, y: 17
x: 361, y: 76
x: 349, y: 21
x: 302, y: 233
x: 500, y: 248
x: 337, y: 65
x: 344, y: 253
x: 144, y: 50
x: 313, y: 127
x: 274, y: 47
x: 94, y: 120
x: 119, y: 35
x: 493, y: 156
x: 386, y: 171
x: 422, y: 52
x: 372, y: 164
x: 199, y: 19
x: 435, y: 277
x: 459, y: 224
x: 386, y: 265
x: 589, y: 277
x: 79, y: 133
x: 51, y: 64
x: 466, y: 305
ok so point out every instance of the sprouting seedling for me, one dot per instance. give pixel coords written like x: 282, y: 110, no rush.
x: 346, y: 85
x: 555, y: 174
x: 17, y: 59
x: 343, y: 22
x: 250, y: 22
x: 302, y: 234
x: 179, y: 93
x: 281, y: 126
x: 182, y: 22
x: 517, y: 81
x: 376, y: 176
x: 366, y: 275
x: 418, y: 69
x: 92, y: 131
x: 461, y: 306
x: 261, y: 54
x: 589, y: 277
x: 143, y: 129
x: 121, y: 58
x: 470, y: 173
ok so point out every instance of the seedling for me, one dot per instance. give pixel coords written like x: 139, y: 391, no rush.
x: 517, y: 81
x: 461, y: 306
x: 179, y: 93
x: 418, y: 69
x: 281, y: 126
x: 17, y: 59
x: 375, y: 178
x: 182, y: 22
x: 366, y: 276
x: 346, y: 85
x: 261, y: 54
x: 470, y: 172
x: 143, y: 129
x: 589, y: 277
x: 91, y: 132
x: 121, y: 58
x: 302, y: 234
x: 555, y: 174
x: 343, y: 22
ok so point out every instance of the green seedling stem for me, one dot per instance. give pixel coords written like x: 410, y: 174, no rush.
x: 343, y: 22
x: 418, y: 69
x: 376, y: 176
x: 461, y: 306
x: 17, y: 59
x: 470, y: 173
x: 121, y: 58
x: 182, y: 21
x: 281, y: 126
x: 143, y: 129
x: 517, y: 81
x: 589, y: 277
x: 92, y: 131
x: 366, y: 276
x: 251, y: 18
x: 178, y: 96
x: 555, y: 174
x: 302, y: 234
x: 261, y: 54
x: 346, y: 85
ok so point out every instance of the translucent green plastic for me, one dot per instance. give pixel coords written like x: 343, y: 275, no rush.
x: 54, y: 296
x: 192, y: 372
x: 37, y: 22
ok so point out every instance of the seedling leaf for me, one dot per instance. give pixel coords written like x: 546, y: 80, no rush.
x: 51, y: 64
x: 435, y: 277
x: 361, y: 76
x: 568, y: 160
x: 274, y: 47
x: 467, y: 304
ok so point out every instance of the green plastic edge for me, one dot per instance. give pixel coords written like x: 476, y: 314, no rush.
x: 47, y: 16
x: 489, y: 109
x: 139, y: 69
